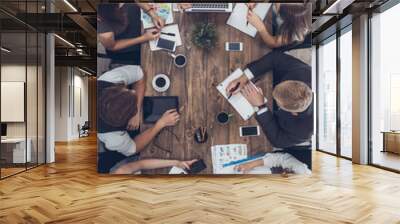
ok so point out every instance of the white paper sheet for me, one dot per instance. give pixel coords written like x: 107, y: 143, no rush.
x: 238, y: 18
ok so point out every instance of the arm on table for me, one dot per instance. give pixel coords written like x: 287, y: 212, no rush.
x: 148, y: 164
x: 169, y: 118
x: 109, y: 42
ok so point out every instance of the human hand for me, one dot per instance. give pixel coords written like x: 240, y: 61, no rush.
x: 152, y: 34
x: 251, y: 5
x: 244, y: 168
x: 253, y: 94
x: 254, y: 20
x: 169, y: 118
x: 158, y: 21
x: 236, y: 85
x: 183, y: 6
x: 134, y: 122
x: 185, y: 164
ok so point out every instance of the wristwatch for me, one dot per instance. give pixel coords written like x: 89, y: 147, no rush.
x: 262, y: 106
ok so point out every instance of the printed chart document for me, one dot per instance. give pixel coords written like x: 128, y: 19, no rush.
x: 168, y: 29
x: 241, y: 105
x: 164, y: 10
x: 238, y: 18
x: 222, y: 154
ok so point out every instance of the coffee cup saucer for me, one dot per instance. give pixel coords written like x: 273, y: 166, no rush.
x: 165, y: 87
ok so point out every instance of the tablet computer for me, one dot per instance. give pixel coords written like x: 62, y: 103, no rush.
x: 155, y: 106
x: 168, y: 45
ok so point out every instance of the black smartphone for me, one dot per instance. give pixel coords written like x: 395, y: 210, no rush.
x: 197, y: 167
x: 166, y: 44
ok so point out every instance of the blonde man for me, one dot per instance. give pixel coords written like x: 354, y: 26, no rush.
x: 290, y: 124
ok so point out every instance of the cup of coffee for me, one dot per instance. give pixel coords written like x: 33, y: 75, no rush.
x: 161, y: 83
x: 223, y: 117
x: 179, y: 60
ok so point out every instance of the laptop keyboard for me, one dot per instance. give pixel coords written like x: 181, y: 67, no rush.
x: 210, y: 5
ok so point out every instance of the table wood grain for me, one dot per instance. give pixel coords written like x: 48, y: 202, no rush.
x: 195, y: 84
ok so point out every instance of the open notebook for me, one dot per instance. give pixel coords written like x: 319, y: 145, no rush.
x: 238, y: 18
x: 241, y: 105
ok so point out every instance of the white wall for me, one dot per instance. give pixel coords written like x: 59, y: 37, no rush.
x: 70, y: 84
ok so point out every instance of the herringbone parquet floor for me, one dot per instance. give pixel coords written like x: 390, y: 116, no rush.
x: 70, y: 191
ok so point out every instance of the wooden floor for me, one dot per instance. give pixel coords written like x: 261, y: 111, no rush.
x: 70, y: 191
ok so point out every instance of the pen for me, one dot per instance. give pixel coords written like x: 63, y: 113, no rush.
x: 169, y: 34
x: 247, y: 23
x: 234, y: 89
x: 242, y: 160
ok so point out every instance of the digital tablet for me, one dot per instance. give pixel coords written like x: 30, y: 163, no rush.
x: 155, y: 106
x: 168, y: 45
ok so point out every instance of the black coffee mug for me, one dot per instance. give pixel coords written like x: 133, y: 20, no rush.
x: 223, y: 117
x: 179, y: 60
x: 160, y: 82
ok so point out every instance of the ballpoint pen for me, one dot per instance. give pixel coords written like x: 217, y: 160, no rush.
x: 233, y: 90
x: 169, y: 34
x: 247, y: 23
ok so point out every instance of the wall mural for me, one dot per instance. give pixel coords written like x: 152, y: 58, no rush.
x: 204, y: 88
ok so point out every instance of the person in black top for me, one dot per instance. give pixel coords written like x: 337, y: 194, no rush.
x: 119, y: 31
x: 292, y: 122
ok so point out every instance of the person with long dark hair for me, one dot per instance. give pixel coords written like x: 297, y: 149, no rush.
x: 119, y: 31
x: 290, y: 23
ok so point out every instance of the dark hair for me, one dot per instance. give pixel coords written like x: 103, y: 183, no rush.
x: 114, y: 15
x: 117, y: 105
x: 296, y: 20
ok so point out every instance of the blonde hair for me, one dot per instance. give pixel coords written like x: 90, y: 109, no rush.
x: 293, y: 96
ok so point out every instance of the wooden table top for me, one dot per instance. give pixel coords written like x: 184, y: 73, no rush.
x: 195, y: 84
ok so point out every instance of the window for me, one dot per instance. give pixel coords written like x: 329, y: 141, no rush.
x: 346, y: 93
x: 385, y: 88
x: 327, y: 97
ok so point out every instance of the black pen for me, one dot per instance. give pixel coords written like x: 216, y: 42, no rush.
x: 247, y: 23
x: 169, y: 34
x: 233, y: 90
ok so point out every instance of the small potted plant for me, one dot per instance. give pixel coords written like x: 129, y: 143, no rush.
x: 204, y: 35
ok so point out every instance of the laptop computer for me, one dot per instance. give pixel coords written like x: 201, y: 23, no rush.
x: 210, y: 7
x: 155, y: 106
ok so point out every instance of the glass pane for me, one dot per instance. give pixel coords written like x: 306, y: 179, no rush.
x: 41, y: 99
x: 346, y: 94
x: 13, y: 87
x: 327, y: 97
x: 385, y: 84
x: 32, y: 97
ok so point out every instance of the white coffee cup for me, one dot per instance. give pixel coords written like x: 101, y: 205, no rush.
x: 161, y: 83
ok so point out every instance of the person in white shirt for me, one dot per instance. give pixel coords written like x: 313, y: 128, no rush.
x: 276, y: 159
x: 119, y: 111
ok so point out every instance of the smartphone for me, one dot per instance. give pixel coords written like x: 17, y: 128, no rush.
x: 197, y: 167
x: 249, y: 131
x: 168, y: 45
x: 233, y: 46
